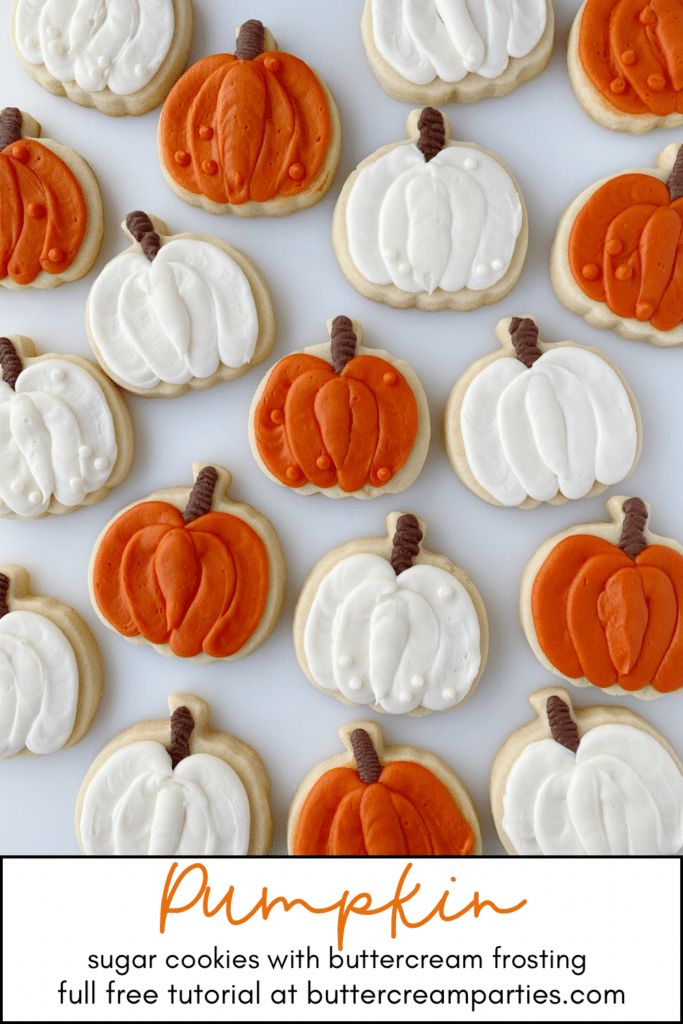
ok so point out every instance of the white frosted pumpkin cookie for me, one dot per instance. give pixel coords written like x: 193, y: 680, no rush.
x: 50, y: 670
x: 442, y: 51
x: 625, y: 62
x: 383, y: 621
x: 175, y: 312
x: 51, y: 218
x: 617, y: 258
x: 119, y: 56
x: 602, y: 604
x: 377, y: 800
x: 582, y: 782
x: 65, y: 434
x: 176, y: 788
x: 535, y: 422
x: 190, y: 571
x: 431, y: 222
x: 254, y: 132
x: 341, y: 419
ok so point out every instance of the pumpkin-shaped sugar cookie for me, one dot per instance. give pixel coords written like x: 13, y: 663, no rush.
x: 119, y: 56
x: 617, y: 259
x: 65, y: 435
x: 174, y: 312
x: 440, y: 51
x: 175, y: 788
x: 250, y: 132
x: 190, y: 571
x: 626, y: 63
x: 50, y: 670
x: 591, y: 781
x: 536, y: 422
x: 51, y: 218
x: 602, y: 604
x: 431, y: 222
x: 384, y: 622
x: 382, y: 801
x: 340, y: 419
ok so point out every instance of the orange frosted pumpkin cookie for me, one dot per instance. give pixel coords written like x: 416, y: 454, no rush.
x: 341, y: 419
x: 602, y: 604
x: 626, y: 63
x: 617, y: 258
x: 51, y: 218
x: 382, y: 801
x: 190, y: 571
x: 250, y: 132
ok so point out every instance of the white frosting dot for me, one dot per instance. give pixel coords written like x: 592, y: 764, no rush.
x: 444, y: 593
x: 404, y: 268
x: 448, y: 694
x: 104, y: 62
x: 75, y: 482
x: 85, y: 451
x: 497, y: 264
x: 17, y: 486
x: 355, y: 683
x: 140, y: 70
x: 405, y: 698
x: 482, y: 270
x: 417, y: 682
x: 100, y: 463
x: 35, y: 497
x: 471, y: 164
x: 58, y: 376
x: 345, y: 660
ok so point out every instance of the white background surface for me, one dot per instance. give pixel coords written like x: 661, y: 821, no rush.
x: 554, y: 150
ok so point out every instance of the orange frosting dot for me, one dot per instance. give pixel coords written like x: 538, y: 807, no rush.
x: 628, y: 57
x: 205, y: 131
x: 591, y: 272
x: 647, y: 17
x: 384, y: 474
x: 614, y: 246
x: 323, y: 462
x: 20, y: 153
x: 56, y: 255
x: 644, y: 310
x: 292, y: 472
x: 623, y: 273
x: 389, y: 378
x: 272, y: 63
x: 209, y: 167
x: 656, y: 82
x: 182, y: 158
x: 277, y: 416
x: 617, y: 85
x: 237, y: 179
x: 297, y: 172
x: 36, y: 210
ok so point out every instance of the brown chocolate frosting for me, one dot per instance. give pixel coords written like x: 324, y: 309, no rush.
x: 10, y: 363
x: 142, y: 230
x: 4, y: 593
x: 406, y: 545
x: 632, y: 540
x: 250, y: 40
x: 432, y: 133
x: 524, y: 335
x: 675, y: 182
x: 562, y: 725
x: 10, y: 126
x: 367, y: 761
x: 343, y: 342
x: 182, y: 724
x: 201, y: 496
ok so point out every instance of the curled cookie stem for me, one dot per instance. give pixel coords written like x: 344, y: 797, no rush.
x: 432, y: 131
x: 10, y: 126
x: 343, y: 341
x: 632, y: 540
x: 406, y: 543
x: 367, y: 761
x: 250, y: 40
x: 675, y: 182
x: 142, y: 230
x: 182, y: 724
x: 10, y: 363
x: 562, y: 725
x: 4, y: 594
x: 201, y: 495
x: 524, y: 335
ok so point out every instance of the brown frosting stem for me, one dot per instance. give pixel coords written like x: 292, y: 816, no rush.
x: 182, y: 724
x: 201, y: 496
x: 142, y: 230
x: 675, y: 182
x: 10, y: 126
x: 251, y: 40
x: 4, y: 593
x: 524, y: 334
x: 632, y: 540
x: 343, y: 342
x: 367, y: 761
x: 407, y: 540
x: 10, y: 363
x: 562, y: 725
x: 432, y: 133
